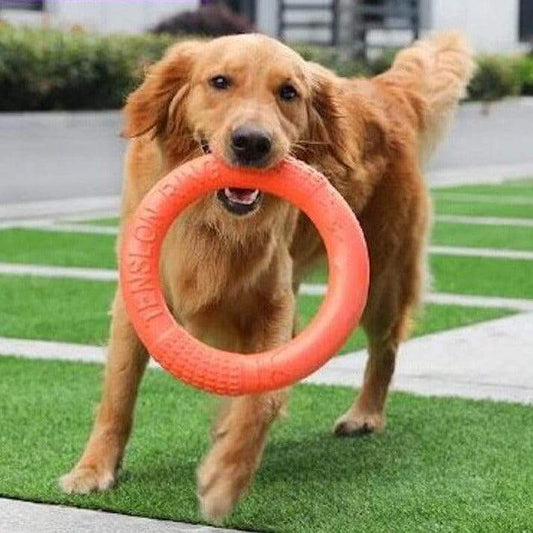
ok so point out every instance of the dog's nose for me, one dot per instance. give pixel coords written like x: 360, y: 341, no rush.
x: 250, y: 144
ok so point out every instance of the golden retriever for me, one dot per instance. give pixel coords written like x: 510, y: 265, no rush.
x: 231, y: 265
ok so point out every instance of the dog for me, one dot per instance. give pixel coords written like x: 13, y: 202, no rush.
x: 232, y: 263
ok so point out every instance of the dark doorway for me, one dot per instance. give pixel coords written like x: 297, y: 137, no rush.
x: 526, y: 20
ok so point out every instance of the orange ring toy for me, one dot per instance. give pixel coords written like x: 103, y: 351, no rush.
x: 227, y: 373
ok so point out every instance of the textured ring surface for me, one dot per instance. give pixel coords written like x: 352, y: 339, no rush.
x: 222, y: 372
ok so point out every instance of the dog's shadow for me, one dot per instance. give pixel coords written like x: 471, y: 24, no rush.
x: 291, y: 467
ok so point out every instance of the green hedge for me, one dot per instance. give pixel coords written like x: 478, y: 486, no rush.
x: 51, y: 69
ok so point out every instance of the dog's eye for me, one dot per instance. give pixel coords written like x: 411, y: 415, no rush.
x: 287, y: 92
x: 219, y: 82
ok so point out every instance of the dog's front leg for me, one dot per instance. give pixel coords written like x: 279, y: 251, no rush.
x: 227, y: 470
x: 240, y: 433
x: 97, y: 468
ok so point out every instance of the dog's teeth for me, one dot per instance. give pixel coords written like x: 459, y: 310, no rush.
x: 242, y: 196
x: 204, y: 145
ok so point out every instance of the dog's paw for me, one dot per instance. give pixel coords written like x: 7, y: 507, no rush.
x: 220, y: 486
x: 85, y: 479
x: 355, y: 424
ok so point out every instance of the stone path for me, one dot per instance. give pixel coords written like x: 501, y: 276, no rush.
x: 491, y: 253
x: 465, y: 300
x: 27, y: 517
x: 489, y: 360
x: 484, y: 221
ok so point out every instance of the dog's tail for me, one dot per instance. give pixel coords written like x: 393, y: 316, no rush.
x: 437, y: 71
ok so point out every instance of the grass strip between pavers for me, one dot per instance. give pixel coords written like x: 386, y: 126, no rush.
x: 510, y: 278
x: 37, y: 247
x: 77, y: 311
x: 482, y: 236
x: 482, y: 209
x: 107, y: 221
x: 441, y: 465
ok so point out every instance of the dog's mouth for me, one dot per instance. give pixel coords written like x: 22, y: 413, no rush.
x: 204, y: 145
x: 240, y: 201
x: 235, y: 200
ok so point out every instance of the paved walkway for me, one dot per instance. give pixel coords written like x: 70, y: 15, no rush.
x: 487, y: 360
x: 464, y: 300
x: 80, y: 154
x: 27, y: 517
x: 484, y: 221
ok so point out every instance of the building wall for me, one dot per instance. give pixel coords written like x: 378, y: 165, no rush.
x: 491, y: 25
x: 107, y: 16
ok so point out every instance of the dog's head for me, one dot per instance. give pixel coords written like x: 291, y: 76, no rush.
x: 248, y: 99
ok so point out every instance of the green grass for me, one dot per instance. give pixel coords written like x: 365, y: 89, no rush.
x: 482, y: 236
x: 76, y: 311
x: 55, y: 309
x: 482, y: 209
x: 442, y: 465
x: 60, y: 249
x: 107, y: 221
x: 484, y: 277
x: 511, y: 278
x: 512, y: 188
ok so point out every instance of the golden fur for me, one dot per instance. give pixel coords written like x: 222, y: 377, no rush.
x: 232, y: 281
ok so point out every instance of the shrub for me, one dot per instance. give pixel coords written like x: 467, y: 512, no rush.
x: 51, y: 69
x: 212, y: 20
x: 523, y: 70
x: 494, y: 79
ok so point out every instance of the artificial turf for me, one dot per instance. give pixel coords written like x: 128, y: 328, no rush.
x: 59, y: 249
x: 55, y: 309
x: 512, y: 278
x: 98, y: 251
x: 106, y: 221
x: 483, y: 236
x: 445, y: 205
x: 77, y: 311
x: 442, y: 465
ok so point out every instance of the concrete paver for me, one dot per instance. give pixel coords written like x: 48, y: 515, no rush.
x: 493, y: 359
x: 80, y: 154
x: 27, y: 517
x: 489, y: 360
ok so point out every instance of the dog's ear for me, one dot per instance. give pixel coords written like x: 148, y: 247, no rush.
x: 353, y: 142
x: 326, y: 116
x: 165, y: 84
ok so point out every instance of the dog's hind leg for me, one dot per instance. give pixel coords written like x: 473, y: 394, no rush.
x: 366, y: 415
x: 387, y: 321
x: 98, y: 466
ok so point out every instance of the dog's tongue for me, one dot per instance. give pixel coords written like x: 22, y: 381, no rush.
x: 241, y: 196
